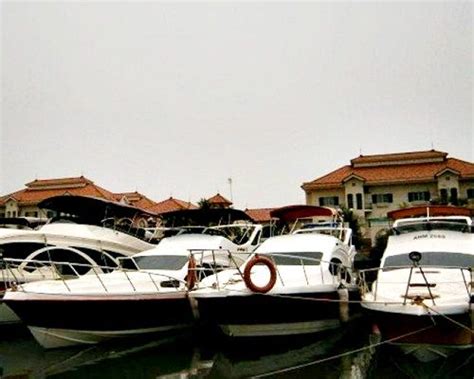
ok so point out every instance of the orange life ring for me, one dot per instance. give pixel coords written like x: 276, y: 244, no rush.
x: 191, y: 277
x: 247, y: 277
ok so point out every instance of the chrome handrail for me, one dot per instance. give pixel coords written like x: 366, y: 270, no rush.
x: 11, y: 264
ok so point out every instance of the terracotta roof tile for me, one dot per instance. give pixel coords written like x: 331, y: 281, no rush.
x: 41, y: 183
x: 418, y: 172
x: 218, y: 199
x: 136, y: 199
x: 260, y: 214
x: 170, y: 205
x: 41, y: 189
x: 399, y: 157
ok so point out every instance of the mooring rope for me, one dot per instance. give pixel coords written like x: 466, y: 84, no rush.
x: 360, y: 302
x: 461, y: 325
x: 341, y: 355
x: 286, y: 296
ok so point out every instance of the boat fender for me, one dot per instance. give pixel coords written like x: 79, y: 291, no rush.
x: 248, y: 279
x: 343, y: 294
x: 191, y: 277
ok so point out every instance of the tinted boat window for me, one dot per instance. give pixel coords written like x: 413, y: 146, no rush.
x: 454, y: 225
x: 163, y: 262
x: 432, y: 259
x: 312, y: 258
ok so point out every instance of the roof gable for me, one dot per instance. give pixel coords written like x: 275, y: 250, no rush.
x: 353, y: 176
x: 218, y: 199
x: 447, y: 170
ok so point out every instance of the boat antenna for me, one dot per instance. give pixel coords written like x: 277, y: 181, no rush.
x: 230, y: 187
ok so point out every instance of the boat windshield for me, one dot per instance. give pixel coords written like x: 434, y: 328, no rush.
x: 307, y: 258
x: 453, y: 225
x: 161, y: 262
x: 440, y: 259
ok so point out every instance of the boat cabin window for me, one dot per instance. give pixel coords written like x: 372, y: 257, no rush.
x: 296, y: 258
x: 446, y: 259
x: 453, y: 225
x: 162, y: 262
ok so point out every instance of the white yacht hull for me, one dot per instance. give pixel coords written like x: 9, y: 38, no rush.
x: 430, y: 352
x: 283, y: 329
x: 7, y: 316
x: 51, y: 338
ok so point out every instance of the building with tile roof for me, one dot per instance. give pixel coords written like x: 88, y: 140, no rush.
x: 170, y: 205
x: 25, y: 201
x: 218, y: 201
x: 373, y: 185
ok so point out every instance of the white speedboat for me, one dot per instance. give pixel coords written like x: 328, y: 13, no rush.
x: 149, y: 295
x: 421, y: 296
x: 293, y: 284
x: 88, y: 232
x: 84, y: 227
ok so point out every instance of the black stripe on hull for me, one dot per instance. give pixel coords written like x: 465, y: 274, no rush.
x: 103, y: 314
x: 269, y: 309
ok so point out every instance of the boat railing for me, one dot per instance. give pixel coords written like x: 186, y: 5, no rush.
x: 329, y: 272
x: 338, y: 272
x: 14, y: 272
x: 213, y: 261
x: 369, y: 280
x: 17, y: 271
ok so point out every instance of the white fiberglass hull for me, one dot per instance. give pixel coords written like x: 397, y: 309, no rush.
x: 279, y: 329
x: 51, y: 338
x: 7, y: 316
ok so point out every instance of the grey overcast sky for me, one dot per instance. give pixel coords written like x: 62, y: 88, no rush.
x: 175, y: 98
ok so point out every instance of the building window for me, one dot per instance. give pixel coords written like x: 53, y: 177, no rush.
x: 419, y: 196
x: 382, y: 198
x: 359, y: 200
x: 350, y: 201
x: 443, y: 196
x: 329, y: 200
x: 454, y: 196
x: 50, y: 214
x: 470, y: 193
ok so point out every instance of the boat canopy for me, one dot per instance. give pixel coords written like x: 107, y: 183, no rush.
x: 291, y: 213
x: 92, y: 210
x: 429, y: 211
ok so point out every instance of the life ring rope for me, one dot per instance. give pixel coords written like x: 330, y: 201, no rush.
x: 248, y: 276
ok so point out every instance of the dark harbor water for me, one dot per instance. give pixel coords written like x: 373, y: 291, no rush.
x: 343, y: 353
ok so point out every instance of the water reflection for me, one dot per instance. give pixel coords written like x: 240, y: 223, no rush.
x: 344, y: 353
x: 393, y: 362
